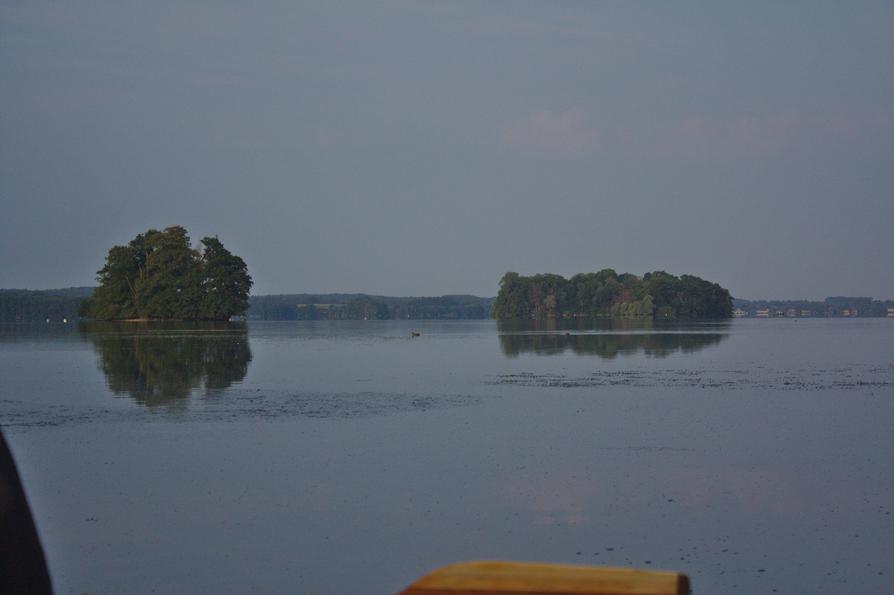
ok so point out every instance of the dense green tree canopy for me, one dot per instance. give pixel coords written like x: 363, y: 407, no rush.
x: 607, y: 293
x: 158, y: 275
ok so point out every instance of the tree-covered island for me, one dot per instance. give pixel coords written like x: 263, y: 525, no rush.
x: 159, y: 275
x: 606, y: 293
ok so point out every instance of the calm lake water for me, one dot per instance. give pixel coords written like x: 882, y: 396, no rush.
x: 347, y: 457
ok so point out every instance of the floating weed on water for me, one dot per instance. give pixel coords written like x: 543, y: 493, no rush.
x: 789, y: 380
x: 236, y: 405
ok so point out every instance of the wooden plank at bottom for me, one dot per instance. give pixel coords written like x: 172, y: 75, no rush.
x: 525, y: 578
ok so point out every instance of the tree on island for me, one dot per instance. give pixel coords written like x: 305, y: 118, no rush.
x: 606, y: 293
x: 158, y: 275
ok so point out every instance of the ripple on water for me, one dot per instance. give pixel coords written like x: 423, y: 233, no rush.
x: 797, y: 380
x: 235, y: 405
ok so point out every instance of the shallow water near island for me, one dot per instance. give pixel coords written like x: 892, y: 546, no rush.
x: 350, y: 457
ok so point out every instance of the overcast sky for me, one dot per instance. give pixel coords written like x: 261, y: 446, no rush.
x: 423, y: 148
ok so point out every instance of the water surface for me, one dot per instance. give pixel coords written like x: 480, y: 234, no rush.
x: 348, y: 457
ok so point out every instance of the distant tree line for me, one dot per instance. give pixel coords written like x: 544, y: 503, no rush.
x: 158, y: 275
x: 22, y: 305
x: 830, y: 307
x: 30, y: 306
x: 607, y: 293
x: 366, y: 307
x: 603, y: 294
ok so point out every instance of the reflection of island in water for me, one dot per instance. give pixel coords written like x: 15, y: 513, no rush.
x: 607, y: 338
x: 161, y: 363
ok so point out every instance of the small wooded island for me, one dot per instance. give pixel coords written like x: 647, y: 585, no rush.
x: 160, y: 276
x: 606, y: 293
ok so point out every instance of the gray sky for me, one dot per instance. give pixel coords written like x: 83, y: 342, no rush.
x: 418, y: 148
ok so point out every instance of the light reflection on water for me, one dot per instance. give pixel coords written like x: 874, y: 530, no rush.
x: 607, y: 338
x: 162, y: 363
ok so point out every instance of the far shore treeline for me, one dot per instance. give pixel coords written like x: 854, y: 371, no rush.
x: 159, y: 276
x: 607, y: 293
x: 348, y: 306
x: 23, y: 305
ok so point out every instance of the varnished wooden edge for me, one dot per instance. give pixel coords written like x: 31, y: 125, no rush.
x: 531, y: 578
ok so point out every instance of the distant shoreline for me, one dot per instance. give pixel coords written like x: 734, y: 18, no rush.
x: 22, y: 305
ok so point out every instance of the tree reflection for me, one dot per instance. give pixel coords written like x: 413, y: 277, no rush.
x: 162, y: 363
x: 606, y: 338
